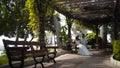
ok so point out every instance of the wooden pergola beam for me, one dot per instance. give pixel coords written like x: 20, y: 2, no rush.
x: 86, y: 9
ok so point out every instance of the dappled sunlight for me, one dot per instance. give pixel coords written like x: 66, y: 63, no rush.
x: 71, y: 56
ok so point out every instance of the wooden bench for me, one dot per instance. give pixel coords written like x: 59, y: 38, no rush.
x: 73, y: 46
x: 20, y: 50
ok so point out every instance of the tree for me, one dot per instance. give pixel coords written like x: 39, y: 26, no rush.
x: 39, y: 13
x: 79, y: 27
x: 63, y: 35
x: 14, y: 17
x: 69, y: 22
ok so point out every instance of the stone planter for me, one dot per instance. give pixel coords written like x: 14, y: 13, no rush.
x: 115, y: 62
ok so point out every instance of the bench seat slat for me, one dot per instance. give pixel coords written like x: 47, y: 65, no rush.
x: 35, y: 53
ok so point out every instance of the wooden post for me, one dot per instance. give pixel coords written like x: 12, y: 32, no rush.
x: 97, y: 43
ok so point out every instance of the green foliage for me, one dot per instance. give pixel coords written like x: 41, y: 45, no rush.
x: 13, y: 16
x: 6, y: 17
x: 40, y: 12
x: 3, y: 59
x: 57, y: 15
x: 69, y: 20
x: 34, y: 21
x: 85, y: 25
x: 116, y: 49
x: 90, y: 36
x: 31, y: 5
x: 78, y: 26
x: 64, y: 36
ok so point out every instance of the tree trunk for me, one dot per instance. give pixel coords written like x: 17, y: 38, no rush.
x: 42, y: 11
x: 69, y: 28
x: 97, y: 31
x: 69, y: 34
x: 42, y: 31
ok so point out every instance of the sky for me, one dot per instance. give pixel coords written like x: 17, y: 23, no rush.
x: 1, y: 42
x: 62, y: 22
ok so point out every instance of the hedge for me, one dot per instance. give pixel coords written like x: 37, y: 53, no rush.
x: 116, y: 49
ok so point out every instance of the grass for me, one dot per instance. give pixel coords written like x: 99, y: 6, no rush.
x: 3, y: 59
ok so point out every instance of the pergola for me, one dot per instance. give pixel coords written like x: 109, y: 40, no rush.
x: 90, y: 11
x: 94, y: 11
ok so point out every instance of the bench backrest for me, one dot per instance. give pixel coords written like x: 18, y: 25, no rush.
x: 17, y: 49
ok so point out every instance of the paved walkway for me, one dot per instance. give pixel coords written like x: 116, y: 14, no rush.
x: 100, y: 59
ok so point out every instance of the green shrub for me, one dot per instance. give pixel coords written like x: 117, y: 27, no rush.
x: 90, y: 36
x: 64, y: 37
x: 116, y: 49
